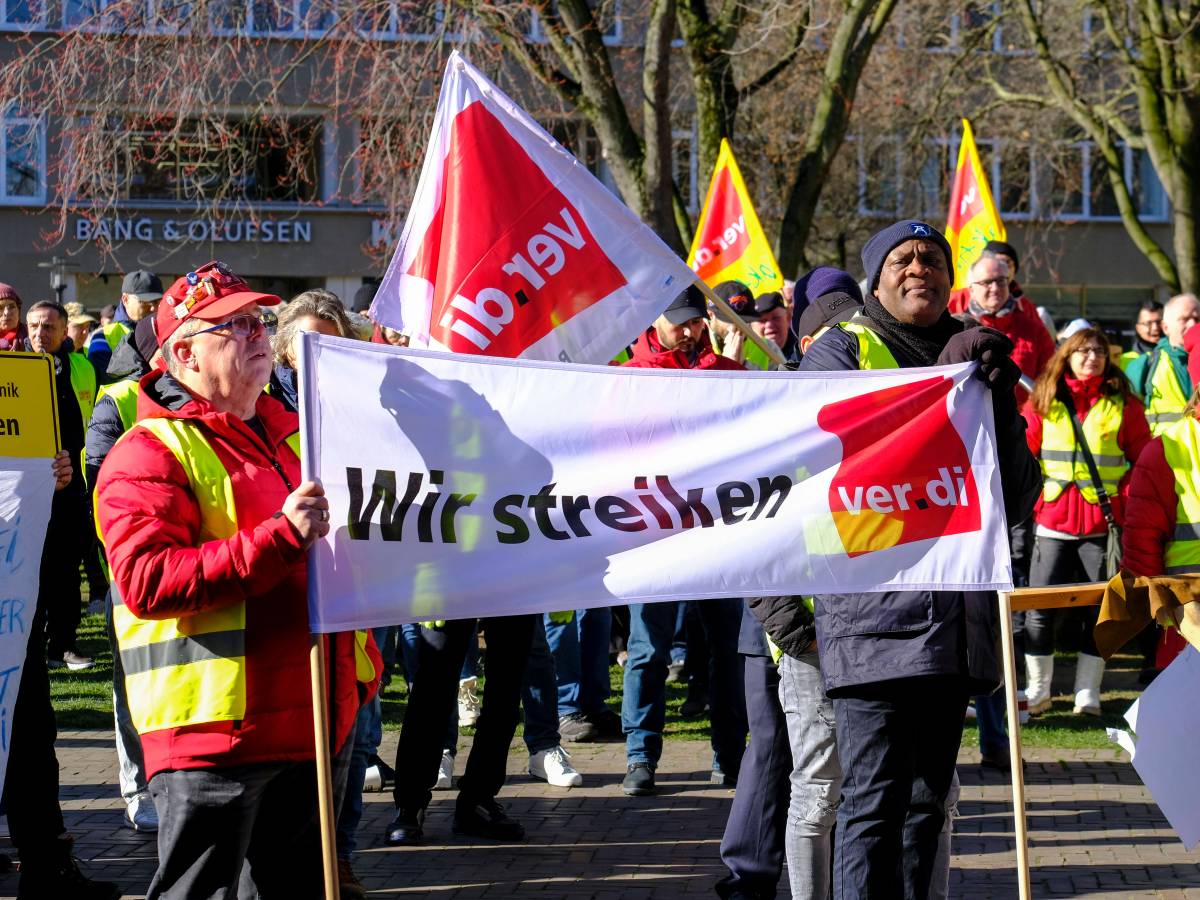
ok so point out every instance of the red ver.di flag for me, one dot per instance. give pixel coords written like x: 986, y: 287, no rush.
x: 512, y: 248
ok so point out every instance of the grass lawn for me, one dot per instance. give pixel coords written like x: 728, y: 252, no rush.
x: 84, y: 700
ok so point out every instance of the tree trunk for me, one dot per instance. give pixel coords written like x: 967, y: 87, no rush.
x: 657, y: 168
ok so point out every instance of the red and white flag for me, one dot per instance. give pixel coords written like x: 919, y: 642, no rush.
x: 512, y: 248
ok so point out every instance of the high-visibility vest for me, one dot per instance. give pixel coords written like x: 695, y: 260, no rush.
x: 83, y: 383
x: 125, y: 395
x: 1062, y: 461
x: 873, y: 353
x: 191, y: 670
x: 113, y: 333
x: 1181, y: 446
x: 1165, y: 397
x: 1126, y: 358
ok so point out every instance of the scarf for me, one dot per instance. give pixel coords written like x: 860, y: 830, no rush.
x: 979, y: 312
x: 921, y: 345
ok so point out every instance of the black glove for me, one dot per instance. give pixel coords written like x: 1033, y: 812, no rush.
x: 993, y: 351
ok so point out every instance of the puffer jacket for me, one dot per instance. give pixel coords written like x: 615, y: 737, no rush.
x: 648, y: 353
x: 868, y: 638
x: 1032, y: 344
x: 1069, y: 512
x: 1150, y: 512
x: 106, y: 427
x: 150, y: 520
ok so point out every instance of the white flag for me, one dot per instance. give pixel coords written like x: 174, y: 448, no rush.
x: 512, y: 248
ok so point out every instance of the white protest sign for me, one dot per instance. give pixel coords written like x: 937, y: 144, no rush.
x: 512, y: 248
x: 472, y: 486
x: 26, y: 490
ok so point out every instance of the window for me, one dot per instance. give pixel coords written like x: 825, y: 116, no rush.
x: 403, y: 19
x: 879, y: 177
x: 607, y: 14
x: 22, y: 14
x: 933, y: 180
x: 228, y: 159
x: 271, y: 17
x: 24, y: 159
x: 1148, y: 191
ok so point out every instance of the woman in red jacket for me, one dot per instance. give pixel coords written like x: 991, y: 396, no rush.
x: 1071, y: 533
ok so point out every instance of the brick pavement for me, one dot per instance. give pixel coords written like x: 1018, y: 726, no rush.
x: 1094, y: 832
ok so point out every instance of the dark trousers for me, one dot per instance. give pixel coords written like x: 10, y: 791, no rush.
x: 897, y: 741
x: 31, y: 790
x: 441, y: 653
x: 1064, y: 562
x: 58, y: 584
x: 752, y: 848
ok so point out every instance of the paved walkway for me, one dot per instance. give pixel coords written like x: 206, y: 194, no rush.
x: 1094, y: 832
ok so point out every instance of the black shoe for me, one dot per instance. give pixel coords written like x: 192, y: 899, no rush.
x: 695, y: 705
x: 44, y: 879
x: 1000, y: 760
x: 607, y: 724
x: 639, y: 780
x: 405, y: 830
x: 485, y: 819
x: 576, y: 729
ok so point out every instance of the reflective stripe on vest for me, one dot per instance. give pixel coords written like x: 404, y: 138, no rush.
x: 83, y: 383
x: 192, y: 669
x: 125, y: 395
x: 1063, y: 463
x: 873, y: 353
x: 113, y: 333
x: 1165, y: 399
x: 1181, y: 447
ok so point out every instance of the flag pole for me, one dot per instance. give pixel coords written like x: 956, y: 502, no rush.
x: 739, y: 323
x: 316, y: 656
x: 1016, y: 766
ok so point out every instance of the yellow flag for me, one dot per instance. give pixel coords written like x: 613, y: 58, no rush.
x: 730, y: 244
x: 973, y: 219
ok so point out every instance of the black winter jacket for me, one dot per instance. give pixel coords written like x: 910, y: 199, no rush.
x: 866, y: 638
x: 106, y: 426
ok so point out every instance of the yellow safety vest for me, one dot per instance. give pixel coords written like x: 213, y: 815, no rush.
x: 125, y: 395
x: 873, y: 353
x: 83, y: 383
x: 1181, y: 446
x: 1062, y: 461
x: 113, y: 332
x: 1126, y: 358
x: 1165, y: 399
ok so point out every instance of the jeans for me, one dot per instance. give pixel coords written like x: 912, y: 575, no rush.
x: 368, y: 733
x: 897, y: 742
x: 816, y: 776
x: 580, y: 649
x: 540, y: 694
x: 441, y: 654
x: 644, y: 706
x: 679, y: 646
x: 752, y: 846
x: 131, y: 765
x: 1058, y: 561
x: 989, y: 715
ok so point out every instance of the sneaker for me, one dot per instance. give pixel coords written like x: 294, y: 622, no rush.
x: 639, y: 780
x: 141, y: 816
x: 485, y: 819
x: 576, y: 729
x: 554, y: 767
x: 349, y: 887
x: 42, y: 879
x: 608, y: 724
x: 405, y: 830
x: 76, y: 661
x: 468, y: 703
x: 379, y: 776
x: 675, y: 672
x: 723, y: 779
x: 445, y: 772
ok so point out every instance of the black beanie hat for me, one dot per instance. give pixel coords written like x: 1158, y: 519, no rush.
x: 881, y: 243
x: 1007, y: 249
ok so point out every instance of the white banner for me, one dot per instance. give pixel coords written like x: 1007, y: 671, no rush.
x: 513, y: 248
x: 464, y: 487
x: 26, y: 490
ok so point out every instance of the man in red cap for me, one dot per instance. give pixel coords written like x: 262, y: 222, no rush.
x: 208, y: 524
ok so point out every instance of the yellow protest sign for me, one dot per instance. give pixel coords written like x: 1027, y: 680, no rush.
x: 28, y: 406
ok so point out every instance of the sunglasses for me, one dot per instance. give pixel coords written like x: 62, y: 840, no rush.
x: 240, y: 326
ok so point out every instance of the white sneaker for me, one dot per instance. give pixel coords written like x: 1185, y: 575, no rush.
x: 445, y: 772
x: 554, y: 766
x: 468, y: 703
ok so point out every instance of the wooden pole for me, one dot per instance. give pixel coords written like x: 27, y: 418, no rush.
x: 1014, y: 747
x: 316, y: 660
x: 739, y: 323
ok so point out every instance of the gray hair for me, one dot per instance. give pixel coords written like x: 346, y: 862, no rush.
x: 185, y: 330
x: 318, y: 303
x: 989, y: 254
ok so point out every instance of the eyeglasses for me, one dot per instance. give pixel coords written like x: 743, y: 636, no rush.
x: 1090, y: 351
x: 240, y: 326
x: 992, y: 282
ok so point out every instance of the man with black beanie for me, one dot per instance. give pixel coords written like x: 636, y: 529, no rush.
x: 899, y: 666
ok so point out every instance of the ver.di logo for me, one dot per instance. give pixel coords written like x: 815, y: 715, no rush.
x: 905, y: 475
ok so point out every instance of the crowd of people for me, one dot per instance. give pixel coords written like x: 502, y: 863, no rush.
x: 853, y: 704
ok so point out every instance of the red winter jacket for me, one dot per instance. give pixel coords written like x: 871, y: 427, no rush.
x: 1191, y: 343
x: 151, y: 523
x: 1149, y: 512
x: 648, y: 353
x: 1070, y: 513
x: 1032, y: 344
